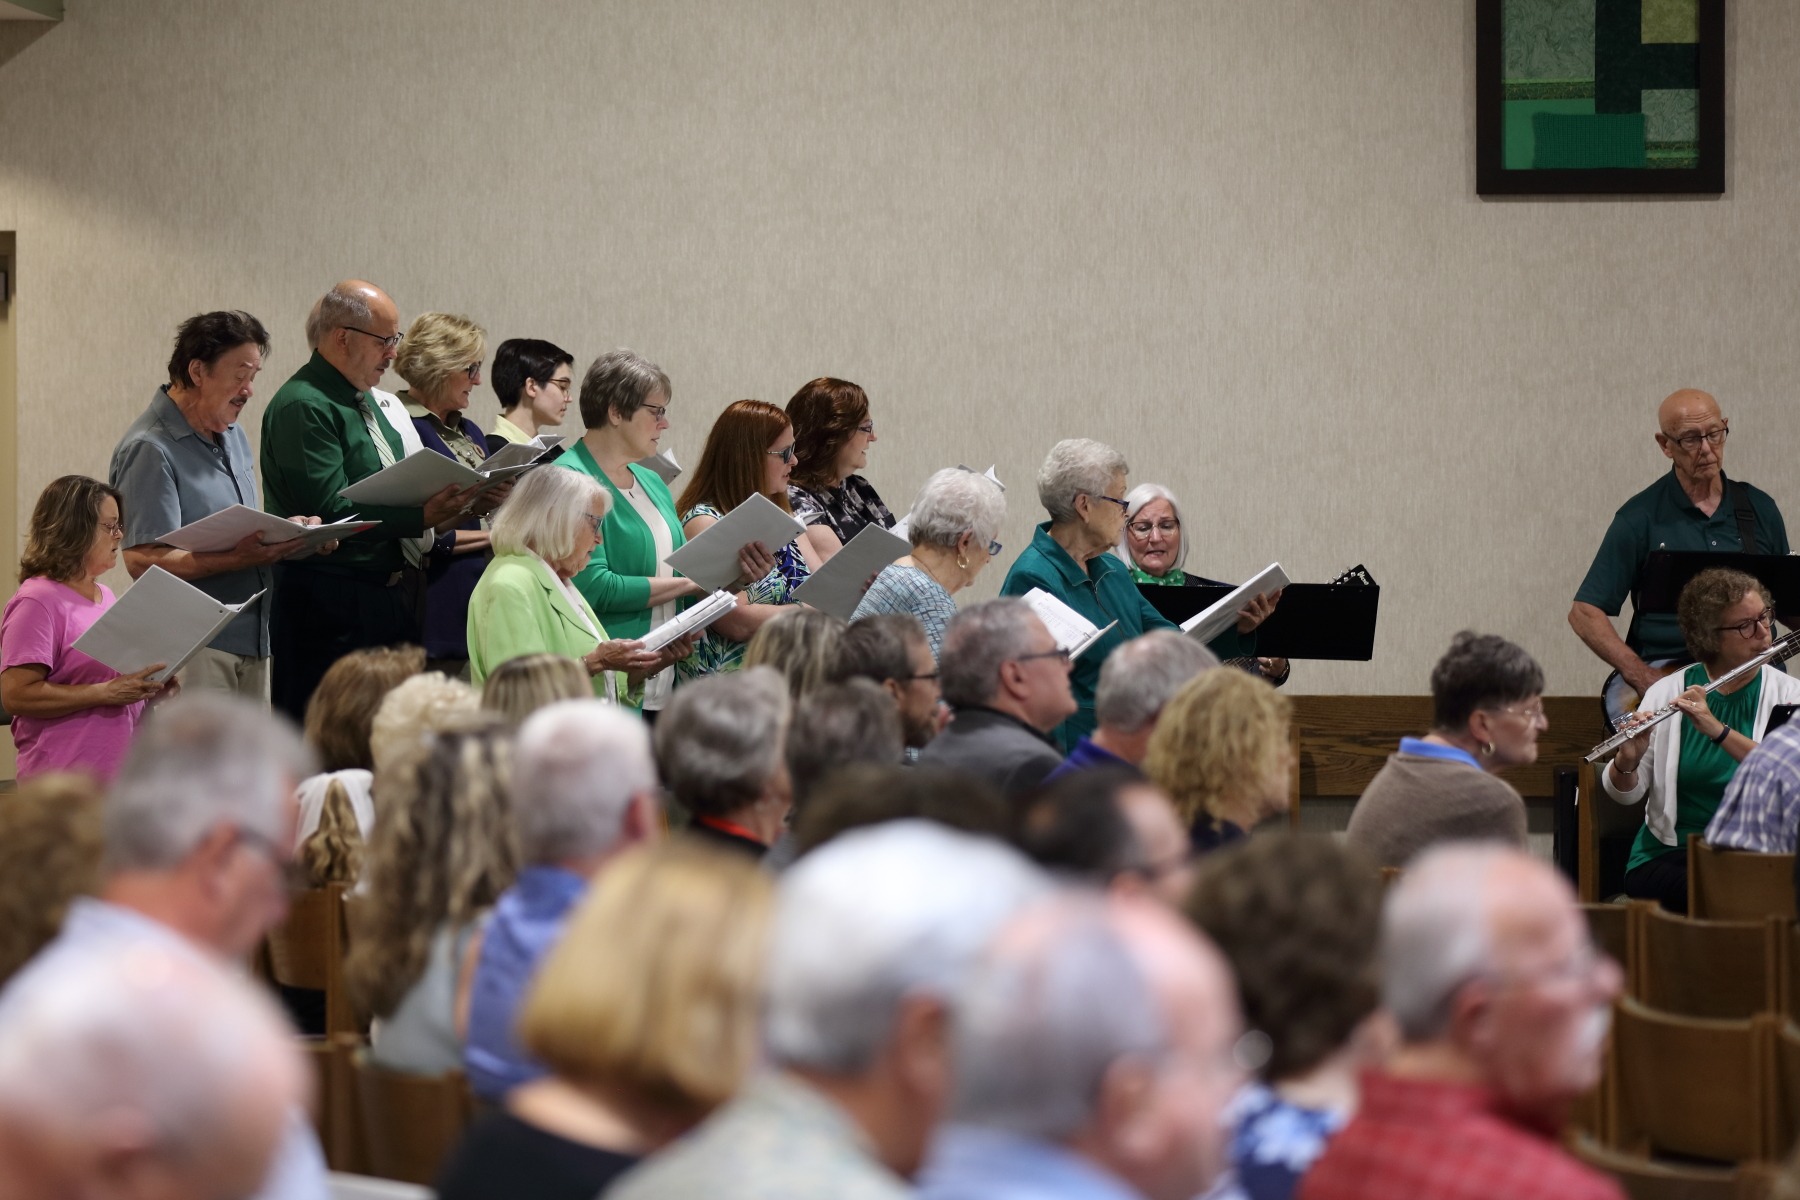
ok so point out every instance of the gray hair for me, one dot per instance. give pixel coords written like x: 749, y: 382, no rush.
x: 339, y: 308
x: 545, y: 512
x: 955, y: 501
x: 619, y: 382
x: 204, y: 761
x: 977, y: 640
x: 1434, y: 934
x: 841, y: 724
x: 577, y: 766
x: 874, y: 917
x: 1076, y: 467
x: 720, y: 739
x: 1054, y: 1002
x: 1135, y: 500
x: 1143, y: 675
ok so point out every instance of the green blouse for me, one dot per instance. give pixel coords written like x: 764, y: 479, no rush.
x: 1702, y: 770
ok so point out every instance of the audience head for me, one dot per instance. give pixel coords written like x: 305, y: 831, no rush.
x: 1486, y: 960
x: 1108, y: 1026
x: 649, y: 997
x: 838, y: 725
x: 50, y: 839
x: 1082, y: 485
x: 1684, y: 420
x: 999, y: 655
x: 1487, y: 691
x: 1220, y: 749
x: 554, y: 514
x: 891, y: 650
x: 442, y: 852
x: 1153, y: 542
x: 748, y: 452
x: 414, y: 709
x: 520, y: 686
x: 533, y: 373
x: 584, y: 784
x: 1138, y: 680
x: 148, y: 1073
x: 832, y: 432
x: 1298, y: 918
x: 341, y: 713
x: 799, y: 642
x: 721, y: 745
x: 629, y: 394
x: 872, y: 936
x: 441, y: 361
x: 958, y: 514
x: 213, y: 369
x: 862, y: 795
x: 202, y: 814
x: 356, y: 328
x: 76, y: 527
x: 1724, y: 616
x: 1111, y: 827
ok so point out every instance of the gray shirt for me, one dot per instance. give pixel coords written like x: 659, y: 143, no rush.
x: 171, y: 475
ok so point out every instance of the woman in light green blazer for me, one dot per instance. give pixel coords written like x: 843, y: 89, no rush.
x: 527, y: 602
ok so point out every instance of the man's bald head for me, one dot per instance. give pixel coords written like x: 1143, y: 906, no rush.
x: 1684, y: 407
x: 1691, y: 432
x: 354, y: 328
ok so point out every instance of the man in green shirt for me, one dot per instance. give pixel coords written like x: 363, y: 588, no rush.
x: 320, y: 434
x: 1692, y: 508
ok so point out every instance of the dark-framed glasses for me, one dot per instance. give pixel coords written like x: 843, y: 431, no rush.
x: 560, y: 382
x: 867, y: 427
x: 656, y: 410
x: 1690, y: 442
x: 1763, y: 619
x: 389, y: 342
x: 785, y: 455
x: 1123, y: 506
x: 1061, y: 652
x: 473, y: 371
x: 1146, y: 528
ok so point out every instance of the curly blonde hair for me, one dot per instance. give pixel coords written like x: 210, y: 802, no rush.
x: 413, y: 709
x: 50, y: 843
x: 1221, y: 745
x: 437, y: 346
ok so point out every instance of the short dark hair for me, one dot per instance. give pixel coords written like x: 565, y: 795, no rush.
x: 1480, y: 670
x: 1703, y: 602
x: 863, y: 795
x: 519, y: 359
x: 1075, y: 825
x: 878, y: 648
x: 839, y: 724
x: 208, y: 337
x: 1299, y: 918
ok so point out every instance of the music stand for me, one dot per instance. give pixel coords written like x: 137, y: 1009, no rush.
x: 1666, y: 572
x: 1325, y: 621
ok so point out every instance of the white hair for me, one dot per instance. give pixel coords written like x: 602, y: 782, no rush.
x: 577, y: 766
x: 1054, y: 1002
x: 1143, y: 675
x: 955, y: 501
x: 875, y: 916
x: 722, y: 738
x: 1076, y: 467
x: 415, y: 708
x: 204, y: 761
x: 545, y: 512
x: 1135, y: 500
x: 1435, y: 933
x: 976, y: 642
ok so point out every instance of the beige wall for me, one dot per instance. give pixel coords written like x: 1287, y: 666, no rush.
x: 1239, y: 240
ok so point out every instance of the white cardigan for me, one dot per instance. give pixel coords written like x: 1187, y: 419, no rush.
x: 1657, y: 771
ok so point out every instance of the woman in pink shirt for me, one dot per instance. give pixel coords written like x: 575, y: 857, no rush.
x: 70, y: 713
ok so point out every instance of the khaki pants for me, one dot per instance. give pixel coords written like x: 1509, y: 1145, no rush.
x: 233, y: 674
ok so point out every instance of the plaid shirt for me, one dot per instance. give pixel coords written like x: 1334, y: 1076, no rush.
x: 1421, y: 1140
x: 1762, y: 801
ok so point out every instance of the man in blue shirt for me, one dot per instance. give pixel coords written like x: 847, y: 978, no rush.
x: 1137, y: 680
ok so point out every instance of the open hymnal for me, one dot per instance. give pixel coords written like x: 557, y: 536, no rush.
x: 421, y: 475
x: 1072, y: 631
x: 1210, y: 622
x: 696, y: 617
x: 663, y: 463
x: 159, y: 619
x: 224, y: 529
x: 711, y: 560
x: 903, y: 527
x: 539, y: 450
x: 838, y: 586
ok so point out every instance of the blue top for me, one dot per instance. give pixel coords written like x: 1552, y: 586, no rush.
x: 1103, y: 592
x: 1085, y: 757
x: 1274, y: 1142
x: 909, y: 590
x: 970, y: 1163
x: 527, y: 920
x: 172, y: 475
x: 1421, y: 748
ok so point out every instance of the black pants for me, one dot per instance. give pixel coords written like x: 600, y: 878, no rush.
x: 321, y: 616
x: 1662, y: 879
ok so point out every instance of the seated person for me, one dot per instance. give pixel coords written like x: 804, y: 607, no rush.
x: 1221, y: 752
x: 1139, y: 678
x: 520, y: 686
x: 840, y: 725
x: 50, y: 838
x: 892, y: 650
x: 720, y: 745
x: 1110, y: 827
x: 1487, y: 711
x: 856, y: 797
x: 801, y: 643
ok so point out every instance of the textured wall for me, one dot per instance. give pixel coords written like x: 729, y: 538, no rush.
x: 1238, y: 240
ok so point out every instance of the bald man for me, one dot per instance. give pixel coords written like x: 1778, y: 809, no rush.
x: 1693, y: 507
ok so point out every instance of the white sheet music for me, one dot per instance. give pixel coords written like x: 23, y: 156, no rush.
x: 224, y: 529
x: 664, y: 464
x: 697, y: 616
x: 159, y: 619
x: 838, y: 586
x: 538, y: 451
x: 711, y: 560
x: 1072, y: 631
x: 1213, y: 620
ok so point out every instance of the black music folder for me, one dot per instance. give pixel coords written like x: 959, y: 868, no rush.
x: 1314, y: 620
x: 1666, y: 572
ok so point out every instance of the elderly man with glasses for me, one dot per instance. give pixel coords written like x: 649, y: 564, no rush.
x: 1692, y: 508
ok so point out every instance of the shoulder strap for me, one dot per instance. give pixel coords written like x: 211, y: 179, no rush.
x: 1745, y: 513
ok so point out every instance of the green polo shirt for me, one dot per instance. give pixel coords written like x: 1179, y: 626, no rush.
x: 1661, y: 517
x: 616, y: 581
x: 315, y: 443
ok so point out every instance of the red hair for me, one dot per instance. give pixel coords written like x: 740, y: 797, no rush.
x: 730, y: 470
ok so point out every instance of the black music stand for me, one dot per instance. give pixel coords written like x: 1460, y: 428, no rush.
x: 1314, y: 620
x: 1666, y: 572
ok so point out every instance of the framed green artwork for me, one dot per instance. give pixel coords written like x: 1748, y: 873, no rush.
x: 1599, y: 96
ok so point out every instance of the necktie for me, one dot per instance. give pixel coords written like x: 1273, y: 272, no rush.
x: 408, y: 546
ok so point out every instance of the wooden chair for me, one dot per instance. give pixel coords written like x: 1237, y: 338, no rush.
x: 307, y: 951
x: 1609, y: 927
x: 1790, y: 972
x: 1784, y: 1112
x: 1649, y: 1179
x: 1719, y: 969
x: 334, y: 1099
x: 1734, y: 885
x: 1680, y: 1085
x: 1603, y: 832
x: 410, y: 1123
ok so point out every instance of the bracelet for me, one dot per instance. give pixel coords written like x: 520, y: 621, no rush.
x: 1724, y: 732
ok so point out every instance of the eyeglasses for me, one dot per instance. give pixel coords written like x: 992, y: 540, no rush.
x: 1123, y: 507
x: 293, y: 873
x: 113, y: 528
x: 1532, y: 716
x: 597, y: 522
x: 656, y: 410
x: 909, y: 678
x: 1749, y: 628
x: 1146, y: 528
x: 994, y: 549
x: 786, y: 456
x: 389, y: 342
x: 1061, y: 652
x: 867, y: 427
x: 473, y: 371
x: 559, y: 382
x: 1690, y: 442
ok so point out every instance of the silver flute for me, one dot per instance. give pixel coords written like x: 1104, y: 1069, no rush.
x: 1780, y: 650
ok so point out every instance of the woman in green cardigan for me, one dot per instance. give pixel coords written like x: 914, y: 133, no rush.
x: 624, y: 404
x: 527, y: 603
